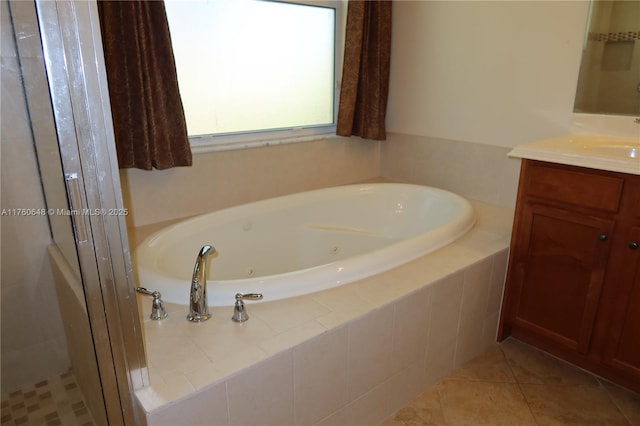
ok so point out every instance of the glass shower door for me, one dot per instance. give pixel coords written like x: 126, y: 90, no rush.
x: 68, y: 102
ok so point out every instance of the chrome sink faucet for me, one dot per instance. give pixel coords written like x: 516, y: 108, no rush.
x: 198, y: 308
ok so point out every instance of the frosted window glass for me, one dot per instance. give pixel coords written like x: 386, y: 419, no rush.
x: 250, y: 65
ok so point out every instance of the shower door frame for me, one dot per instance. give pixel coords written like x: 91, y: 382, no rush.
x: 74, y: 62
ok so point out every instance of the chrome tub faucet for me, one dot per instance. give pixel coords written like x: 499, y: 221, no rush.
x: 198, y: 308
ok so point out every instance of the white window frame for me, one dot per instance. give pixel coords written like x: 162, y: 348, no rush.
x: 221, y: 142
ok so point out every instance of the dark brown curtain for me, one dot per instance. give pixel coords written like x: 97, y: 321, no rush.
x: 148, y: 117
x: 365, y: 74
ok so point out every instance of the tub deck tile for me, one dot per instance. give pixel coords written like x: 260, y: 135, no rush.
x: 278, y: 326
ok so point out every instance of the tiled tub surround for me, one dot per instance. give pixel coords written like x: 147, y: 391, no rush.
x: 228, y: 178
x: 478, y: 171
x: 349, y: 355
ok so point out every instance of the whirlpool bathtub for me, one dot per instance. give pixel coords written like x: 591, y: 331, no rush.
x: 303, y: 243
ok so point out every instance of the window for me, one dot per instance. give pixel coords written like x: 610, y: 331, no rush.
x: 248, y: 67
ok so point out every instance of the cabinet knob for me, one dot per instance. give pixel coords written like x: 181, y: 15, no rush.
x: 602, y: 237
x: 633, y: 245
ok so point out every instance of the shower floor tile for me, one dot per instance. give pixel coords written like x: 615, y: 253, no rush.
x: 515, y: 384
x: 57, y: 401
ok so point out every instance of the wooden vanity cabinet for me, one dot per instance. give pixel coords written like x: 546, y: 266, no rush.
x: 573, y: 280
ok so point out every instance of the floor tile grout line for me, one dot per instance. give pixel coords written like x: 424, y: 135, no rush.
x: 444, y: 417
x: 515, y: 377
x: 526, y: 400
x: 562, y: 379
x: 613, y: 400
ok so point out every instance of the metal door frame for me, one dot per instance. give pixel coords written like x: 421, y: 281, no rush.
x: 72, y: 45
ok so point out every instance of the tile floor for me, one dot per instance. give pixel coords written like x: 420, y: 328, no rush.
x: 515, y: 384
x: 511, y: 384
x: 57, y: 401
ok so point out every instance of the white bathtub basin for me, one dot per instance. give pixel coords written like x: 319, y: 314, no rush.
x: 303, y: 243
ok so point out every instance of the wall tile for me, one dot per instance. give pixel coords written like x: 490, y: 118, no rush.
x: 13, y: 105
x: 372, y: 407
x: 320, y: 376
x: 407, y: 384
x: 370, y: 350
x: 27, y: 34
x: 475, y: 293
x: 263, y: 394
x: 31, y: 364
x: 339, y: 418
x: 280, y: 320
x: 443, y: 328
x: 207, y: 407
x: 33, y: 342
x: 411, y: 328
x: 446, y: 299
x: 432, y: 161
x: 496, y: 286
x: 226, y: 178
x: 471, y: 332
x: 8, y: 48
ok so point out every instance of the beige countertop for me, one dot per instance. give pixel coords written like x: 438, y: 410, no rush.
x: 613, y: 153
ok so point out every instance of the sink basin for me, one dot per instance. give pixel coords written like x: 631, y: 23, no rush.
x: 613, y: 153
x: 623, y: 150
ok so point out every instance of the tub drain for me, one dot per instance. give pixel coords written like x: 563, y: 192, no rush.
x: 250, y: 272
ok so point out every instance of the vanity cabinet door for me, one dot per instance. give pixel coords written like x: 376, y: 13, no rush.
x: 558, y: 270
x: 573, y: 281
x: 623, y: 350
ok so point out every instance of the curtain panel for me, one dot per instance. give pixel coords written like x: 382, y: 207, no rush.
x: 365, y: 73
x: 148, y: 116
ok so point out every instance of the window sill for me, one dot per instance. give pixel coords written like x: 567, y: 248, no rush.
x: 205, y: 144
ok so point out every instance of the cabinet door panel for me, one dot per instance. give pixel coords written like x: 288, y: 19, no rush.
x: 623, y: 351
x: 560, y: 270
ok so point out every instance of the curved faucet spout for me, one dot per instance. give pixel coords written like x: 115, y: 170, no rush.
x: 198, y: 308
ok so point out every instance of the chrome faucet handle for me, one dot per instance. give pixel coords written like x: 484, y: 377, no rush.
x: 157, y: 308
x: 239, y: 310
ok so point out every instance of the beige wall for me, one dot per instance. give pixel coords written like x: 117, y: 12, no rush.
x: 469, y: 81
x: 33, y: 341
x: 496, y: 73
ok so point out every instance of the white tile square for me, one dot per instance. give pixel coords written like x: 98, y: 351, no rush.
x: 320, y: 376
x: 496, y: 287
x: 207, y: 407
x: 263, y: 394
x: 411, y: 319
x: 446, y: 299
x: 475, y: 293
x: 372, y: 407
x: 370, y: 351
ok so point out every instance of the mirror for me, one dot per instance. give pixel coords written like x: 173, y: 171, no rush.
x: 609, y: 80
